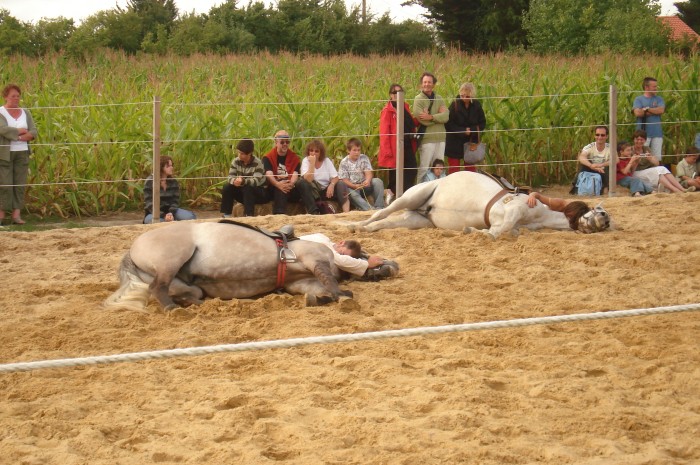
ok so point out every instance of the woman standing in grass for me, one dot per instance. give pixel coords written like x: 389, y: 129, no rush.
x: 16, y: 130
x: 467, y: 120
x: 169, y: 195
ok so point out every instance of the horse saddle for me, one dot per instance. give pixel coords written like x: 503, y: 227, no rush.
x: 282, y: 236
x: 507, y: 186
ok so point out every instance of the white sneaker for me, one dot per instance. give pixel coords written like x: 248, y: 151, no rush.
x: 691, y: 189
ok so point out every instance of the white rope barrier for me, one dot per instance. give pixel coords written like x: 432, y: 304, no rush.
x: 334, y: 339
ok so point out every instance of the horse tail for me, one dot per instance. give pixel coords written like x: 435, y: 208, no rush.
x: 133, y: 293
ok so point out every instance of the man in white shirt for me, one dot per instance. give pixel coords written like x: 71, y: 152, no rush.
x: 346, y: 254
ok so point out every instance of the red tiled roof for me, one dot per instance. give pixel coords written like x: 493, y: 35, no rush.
x: 679, y: 29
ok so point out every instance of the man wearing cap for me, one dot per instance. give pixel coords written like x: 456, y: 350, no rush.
x: 282, y: 172
x: 246, y: 181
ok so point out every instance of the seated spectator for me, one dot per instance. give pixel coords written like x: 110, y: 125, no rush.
x: 687, y: 170
x: 626, y: 165
x: 356, y: 173
x: 246, y: 181
x: 437, y: 171
x: 319, y: 178
x: 282, y: 173
x: 648, y: 169
x: 169, y: 195
x: 594, y: 164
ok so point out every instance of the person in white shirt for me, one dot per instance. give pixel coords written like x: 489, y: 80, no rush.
x: 346, y: 254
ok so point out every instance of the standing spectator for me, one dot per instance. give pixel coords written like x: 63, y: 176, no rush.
x: 687, y: 170
x: 356, y: 173
x: 594, y: 163
x: 319, y: 179
x: 169, y: 195
x: 387, y: 144
x: 432, y: 113
x: 648, y: 109
x: 626, y: 164
x: 246, y: 181
x: 467, y: 120
x: 282, y: 173
x: 16, y: 130
x: 437, y: 171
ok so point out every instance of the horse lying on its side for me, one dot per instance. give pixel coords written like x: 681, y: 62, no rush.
x: 182, y: 263
x: 467, y: 201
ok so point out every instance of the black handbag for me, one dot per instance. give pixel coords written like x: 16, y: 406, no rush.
x: 420, y: 133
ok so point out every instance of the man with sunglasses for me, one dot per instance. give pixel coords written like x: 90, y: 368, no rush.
x: 594, y: 162
x: 282, y: 172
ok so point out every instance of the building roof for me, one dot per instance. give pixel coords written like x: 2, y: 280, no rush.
x: 679, y: 29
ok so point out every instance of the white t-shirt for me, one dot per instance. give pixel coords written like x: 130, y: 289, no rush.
x: 322, y: 175
x: 594, y: 156
x: 355, y: 266
x: 19, y: 123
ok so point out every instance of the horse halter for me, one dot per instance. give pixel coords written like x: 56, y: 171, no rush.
x: 595, y: 220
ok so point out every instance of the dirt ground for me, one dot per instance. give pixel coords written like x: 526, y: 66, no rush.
x: 621, y: 391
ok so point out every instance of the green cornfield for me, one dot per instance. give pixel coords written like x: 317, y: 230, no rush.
x: 95, y: 118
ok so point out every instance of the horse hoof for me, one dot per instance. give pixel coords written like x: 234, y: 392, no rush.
x: 347, y: 294
x: 468, y: 230
x: 310, y: 300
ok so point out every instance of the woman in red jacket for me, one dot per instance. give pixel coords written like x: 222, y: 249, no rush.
x: 387, y: 144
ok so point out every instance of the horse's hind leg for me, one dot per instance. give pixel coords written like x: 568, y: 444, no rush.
x: 409, y: 220
x: 185, y: 294
x: 413, y: 199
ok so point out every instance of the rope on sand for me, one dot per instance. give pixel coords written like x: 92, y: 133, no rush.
x: 298, y: 342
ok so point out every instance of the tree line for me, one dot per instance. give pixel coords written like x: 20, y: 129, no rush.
x: 329, y: 27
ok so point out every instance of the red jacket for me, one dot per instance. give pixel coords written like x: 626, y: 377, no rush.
x: 387, y: 135
x: 291, y: 162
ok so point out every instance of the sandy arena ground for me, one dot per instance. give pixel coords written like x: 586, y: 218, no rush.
x: 621, y: 391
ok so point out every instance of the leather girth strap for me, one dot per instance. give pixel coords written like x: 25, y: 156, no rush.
x: 495, y: 199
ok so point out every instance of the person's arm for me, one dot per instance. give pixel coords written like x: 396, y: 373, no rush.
x: 356, y: 266
x: 148, y: 196
x: 269, y: 173
x: 31, y: 133
x: 172, y: 197
x: 6, y: 131
x: 258, y: 179
x: 443, y: 114
x: 308, y: 168
x: 637, y: 109
x: 554, y: 203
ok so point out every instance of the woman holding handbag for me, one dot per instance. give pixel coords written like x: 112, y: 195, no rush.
x: 467, y: 120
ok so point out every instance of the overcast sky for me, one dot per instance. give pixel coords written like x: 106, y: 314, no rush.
x: 33, y: 10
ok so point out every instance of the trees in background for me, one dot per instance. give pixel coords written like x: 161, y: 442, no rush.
x: 328, y: 27
x: 576, y: 26
x: 689, y: 12
x: 479, y: 25
x: 155, y: 26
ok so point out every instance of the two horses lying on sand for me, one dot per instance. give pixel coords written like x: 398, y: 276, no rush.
x: 183, y: 263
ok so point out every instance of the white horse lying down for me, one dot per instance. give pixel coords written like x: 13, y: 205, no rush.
x: 467, y: 201
x: 185, y: 262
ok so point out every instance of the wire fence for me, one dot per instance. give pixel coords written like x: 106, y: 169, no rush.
x: 536, y: 154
